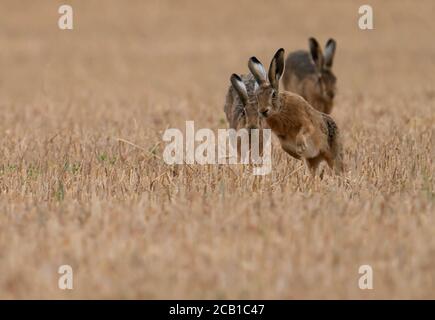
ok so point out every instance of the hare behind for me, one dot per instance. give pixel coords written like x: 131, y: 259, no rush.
x: 303, y: 132
x: 241, y: 107
x: 310, y: 75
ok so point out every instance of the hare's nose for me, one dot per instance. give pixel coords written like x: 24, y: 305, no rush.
x: 264, y: 112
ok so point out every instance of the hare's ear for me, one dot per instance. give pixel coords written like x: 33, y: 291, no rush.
x: 257, y: 70
x: 316, y: 53
x: 240, y: 88
x: 276, y: 68
x: 330, y: 52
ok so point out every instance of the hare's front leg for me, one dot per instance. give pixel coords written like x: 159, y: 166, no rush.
x: 301, y: 143
x: 305, y: 145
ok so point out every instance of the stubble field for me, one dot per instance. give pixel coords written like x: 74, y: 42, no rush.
x: 83, y: 183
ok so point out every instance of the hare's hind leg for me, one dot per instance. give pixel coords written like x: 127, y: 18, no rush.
x: 313, y: 164
x: 336, y: 158
x: 336, y: 164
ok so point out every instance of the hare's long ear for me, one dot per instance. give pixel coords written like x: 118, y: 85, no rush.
x: 240, y: 88
x: 257, y: 70
x: 276, y: 68
x: 316, y: 53
x: 331, y: 44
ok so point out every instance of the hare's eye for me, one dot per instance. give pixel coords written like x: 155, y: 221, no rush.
x: 319, y: 79
x: 274, y: 95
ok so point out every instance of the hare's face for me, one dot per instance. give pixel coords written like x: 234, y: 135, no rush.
x: 268, y: 84
x: 327, y: 84
x: 248, y: 117
x: 252, y: 116
x: 267, y: 98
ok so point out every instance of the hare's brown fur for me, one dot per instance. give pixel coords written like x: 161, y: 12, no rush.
x: 303, y: 132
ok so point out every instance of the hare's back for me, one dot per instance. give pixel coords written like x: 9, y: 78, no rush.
x: 300, y: 64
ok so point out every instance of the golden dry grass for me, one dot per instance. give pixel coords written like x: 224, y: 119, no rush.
x: 133, y: 227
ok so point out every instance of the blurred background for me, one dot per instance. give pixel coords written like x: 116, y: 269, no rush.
x: 176, y: 50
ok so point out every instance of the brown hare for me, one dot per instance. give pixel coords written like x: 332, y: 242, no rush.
x: 241, y: 107
x: 310, y: 75
x: 303, y: 132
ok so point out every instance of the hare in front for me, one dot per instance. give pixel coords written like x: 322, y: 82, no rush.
x: 303, y: 132
x: 241, y: 108
x: 310, y: 75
